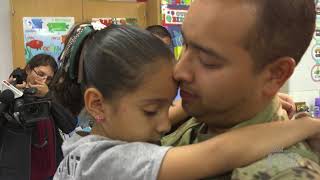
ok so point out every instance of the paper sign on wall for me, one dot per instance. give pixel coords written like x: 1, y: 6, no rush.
x: 45, y: 35
x: 119, y: 21
x: 173, y: 16
x: 315, y: 52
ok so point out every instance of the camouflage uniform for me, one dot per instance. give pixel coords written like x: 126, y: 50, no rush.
x: 295, y: 162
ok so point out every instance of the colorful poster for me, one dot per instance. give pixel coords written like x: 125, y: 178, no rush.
x: 317, y: 30
x: 45, y: 35
x: 172, y: 16
x: 315, y: 52
x: 120, y: 21
x: 315, y: 73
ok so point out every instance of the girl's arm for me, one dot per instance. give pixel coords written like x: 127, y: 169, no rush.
x: 234, y: 149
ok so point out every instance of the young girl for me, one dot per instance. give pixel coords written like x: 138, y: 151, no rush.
x: 126, y: 74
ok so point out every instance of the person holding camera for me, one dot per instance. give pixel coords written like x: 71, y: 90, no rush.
x: 38, y: 119
x: 37, y: 74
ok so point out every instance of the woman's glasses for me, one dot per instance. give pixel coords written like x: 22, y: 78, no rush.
x: 43, y: 76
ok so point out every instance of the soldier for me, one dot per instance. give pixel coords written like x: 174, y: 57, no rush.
x: 237, y: 55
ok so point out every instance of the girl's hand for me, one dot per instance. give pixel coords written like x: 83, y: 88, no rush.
x: 287, y: 104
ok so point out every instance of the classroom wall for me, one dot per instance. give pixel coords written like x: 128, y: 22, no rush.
x: 5, y: 37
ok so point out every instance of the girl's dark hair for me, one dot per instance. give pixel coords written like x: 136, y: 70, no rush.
x: 116, y: 58
x: 42, y: 60
x: 115, y: 61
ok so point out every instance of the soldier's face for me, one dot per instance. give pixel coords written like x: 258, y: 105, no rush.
x: 216, y: 72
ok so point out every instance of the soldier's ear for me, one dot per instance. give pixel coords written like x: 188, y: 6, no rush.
x: 276, y: 74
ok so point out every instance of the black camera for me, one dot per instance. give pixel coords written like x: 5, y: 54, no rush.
x: 30, y: 109
x: 20, y: 75
x: 27, y: 110
x: 27, y: 123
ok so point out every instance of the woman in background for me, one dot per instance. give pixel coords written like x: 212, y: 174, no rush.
x: 46, y: 153
x: 37, y: 74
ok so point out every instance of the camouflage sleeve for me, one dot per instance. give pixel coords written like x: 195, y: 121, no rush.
x: 183, y: 135
x: 279, y: 166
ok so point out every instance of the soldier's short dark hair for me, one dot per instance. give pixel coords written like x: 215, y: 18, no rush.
x: 282, y: 28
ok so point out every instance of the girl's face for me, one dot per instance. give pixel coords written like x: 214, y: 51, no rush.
x: 40, y: 75
x: 142, y: 115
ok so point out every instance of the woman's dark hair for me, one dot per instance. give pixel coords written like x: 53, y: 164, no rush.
x: 42, y: 60
x: 115, y: 61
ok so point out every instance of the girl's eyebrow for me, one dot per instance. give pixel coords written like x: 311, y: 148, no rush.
x: 156, y: 101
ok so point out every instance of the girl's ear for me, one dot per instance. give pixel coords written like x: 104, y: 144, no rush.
x: 94, y: 103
